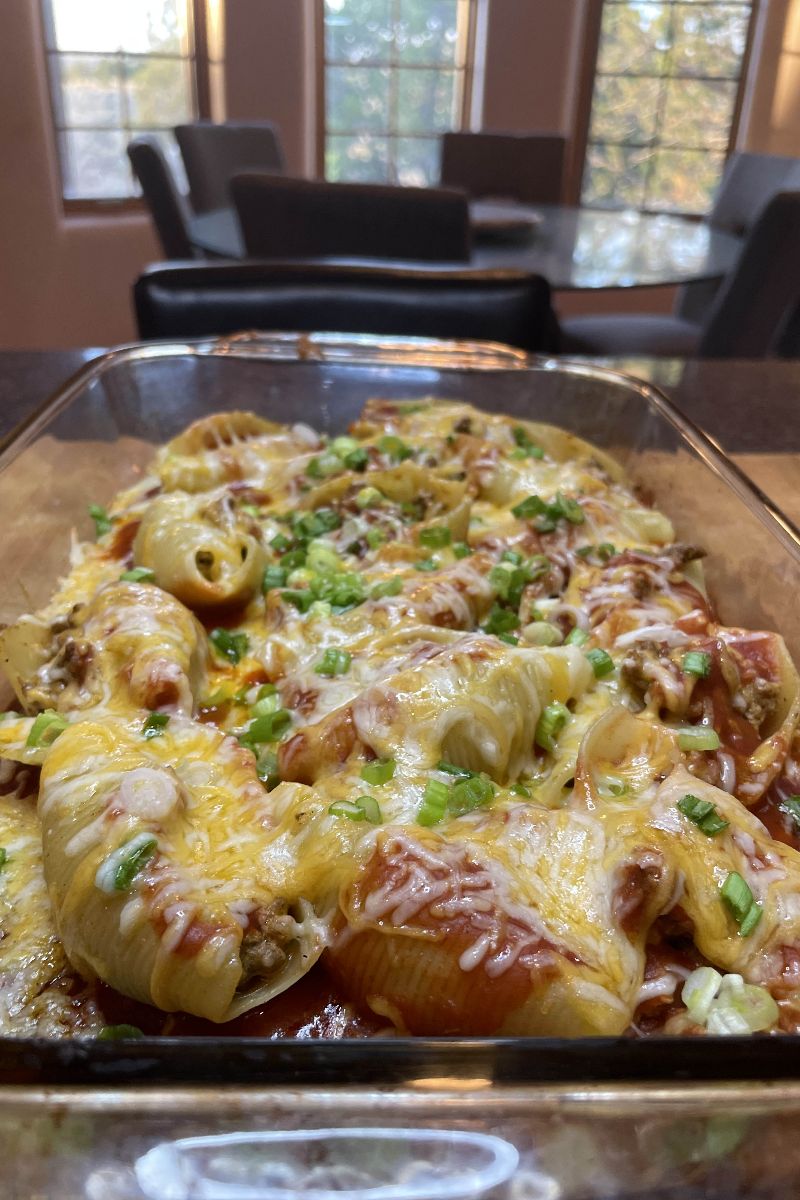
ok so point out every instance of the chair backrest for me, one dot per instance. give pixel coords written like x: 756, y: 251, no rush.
x: 301, y: 218
x: 213, y: 154
x: 758, y: 300
x: 167, y: 206
x: 528, y: 167
x: 197, y: 300
x: 748, y: 183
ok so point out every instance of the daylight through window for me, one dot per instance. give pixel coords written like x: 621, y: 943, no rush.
x: 665, y: 95
x: 396, y: 76
x: 118, y: 70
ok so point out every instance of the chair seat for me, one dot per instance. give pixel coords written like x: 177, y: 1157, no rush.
x: 651, y: 334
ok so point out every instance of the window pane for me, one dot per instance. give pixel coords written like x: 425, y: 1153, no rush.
x: 684, y: 180
x: 698, y: 113
x: 158, y: 91
x: 94, y: 165
x: 615, y: 176
x: 427, y: 32
x: 634, y: 37
x: 709, y: 39
x: 417, y: 161
x: 624, y: 110
x: 361, y: 159
x: 89, y: 92
x: 427, y: 101
x: 358, y: 31
x: 137, y: 26
x: 356, y: 99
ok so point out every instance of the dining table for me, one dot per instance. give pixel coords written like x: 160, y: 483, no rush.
x: 575, y: 249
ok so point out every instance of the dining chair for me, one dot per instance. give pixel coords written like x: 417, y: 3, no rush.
x: 167, y: 206
x: 754, y: 314
x: 213, y: 153
x: 301, y: 218
x: 180, y: 300
x: 748, y: 182
x: 527, y: 167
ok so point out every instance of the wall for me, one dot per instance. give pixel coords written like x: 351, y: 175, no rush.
x: 66, y: 280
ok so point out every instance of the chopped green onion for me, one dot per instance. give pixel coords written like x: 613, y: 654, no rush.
x: 370, y: 808
x: 696, y: 662
x: 700, y: 991
x: 565, y: 507
x: 791, y: 806
x: 155, y: 725
x: 140, y: 851
x: 280, y: 543
x: 611, y: 786
x: 427, y: 564
x: 378, y: 772
x: 388, y: 587
x: 252, y: 510
x: 232, y: 646
x: 551, y: 721
x: 703, y: 814
x: 512, y: 556
x: 375, y: 538
x: 356, y: 460
x: 301, y: 598
x: 435, y: 537
x: 576, y: 637
x: 461, y: 550
x: 322, y: 558
x: 267, y: 728
x: 584, y: 551
x: 524, y: 444
x: 531, y: 506
x: 267, y: 769
x: 342, y: 446
x: 520, y: 789
x: 469, y: 794
x: 102, y: 521
x: 743, y: 907
x: 323, y: 466
x: 312, y: 525
x: 119, y: 1033
x: 451, y: 769
x: 3, y: 856
x: 542, y: 633
x: 394, y: 447
x: 368, y: 497
x: 46, y: 728
x: 698, y: 737
x: 266, y: 689
x: 605, y: 551
x: 434, y: 803
x: 508, y: 638
x: 500, y: 620
x: 509, y: 582
x: 602, y: 663
x: 138, y: 575
x: 274, y: 577
x: 364, y: 808
x: 293, y: 559
x: 334, y: 662
x: 266, y: 705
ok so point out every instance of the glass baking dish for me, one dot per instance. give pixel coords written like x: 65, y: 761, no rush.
x: 94, y: 438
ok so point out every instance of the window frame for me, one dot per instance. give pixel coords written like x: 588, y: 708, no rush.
x: 320, y: 63
x: 200, y: 72
x: 590, y: 52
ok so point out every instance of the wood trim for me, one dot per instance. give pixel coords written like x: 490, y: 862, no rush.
x: 744, y: 77
x: 469, y: 64
x: 201, y: 76
x: 125, y: 206
x: 590, y: 46
x: 319, y: 82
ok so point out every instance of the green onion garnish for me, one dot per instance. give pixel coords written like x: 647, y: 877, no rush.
x: 138, y: 575
x: 427, y: 564
x: 280, y: 543
x: 46, y: 728
x: 605, y: 551
x: 232, y: 646
x: 368, y: 497
x: 334, y: 662
x: 119, y: 1033
x: 461, y: 550
x: 602, y: 663
x: 552, y: 720
x: 434, y: 803
x: 3, y: 856
x: 520, y: 789
x: 469, y: 794
x: 357, y: 459
x: 394, y: 448
x: 102, y: 521
x: 571, y: 510
x: 742, y: 904
x: 267, y: 728
x: 141, y: 850
x: 435, y: 537
x: 703, y: 814
x: 389, y: 587
x: 374, y: 538
x: 500, y: 620
x: 508, y: 638
x: 531, y: 506
x: 323, y: 466
x: 343, y: 445
x: 293, y: 559
x: 698, y: 737
x: 576, y: 637
x: 451, y: 769
x: 791, y: 806
x: 528, y: 448
x: 274, y: 577
x: 267, y: 769
x: 378, y: 772
x: 155, y: 725
x: 696, y: 662
x: 364, y: 808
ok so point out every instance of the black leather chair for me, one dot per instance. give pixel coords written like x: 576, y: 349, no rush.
x: 213, y: 153
x: 167, y: 206
x: 527, y: 167
x: 182, y: 300
x: 754, y: 314
x: 304, y: 218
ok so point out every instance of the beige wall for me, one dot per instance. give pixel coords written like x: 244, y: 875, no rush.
x: 65, y: 281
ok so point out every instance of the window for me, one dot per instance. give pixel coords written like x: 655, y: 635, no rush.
x: 120, y: 68
x: 665, y: 98
x: 396, y: 76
